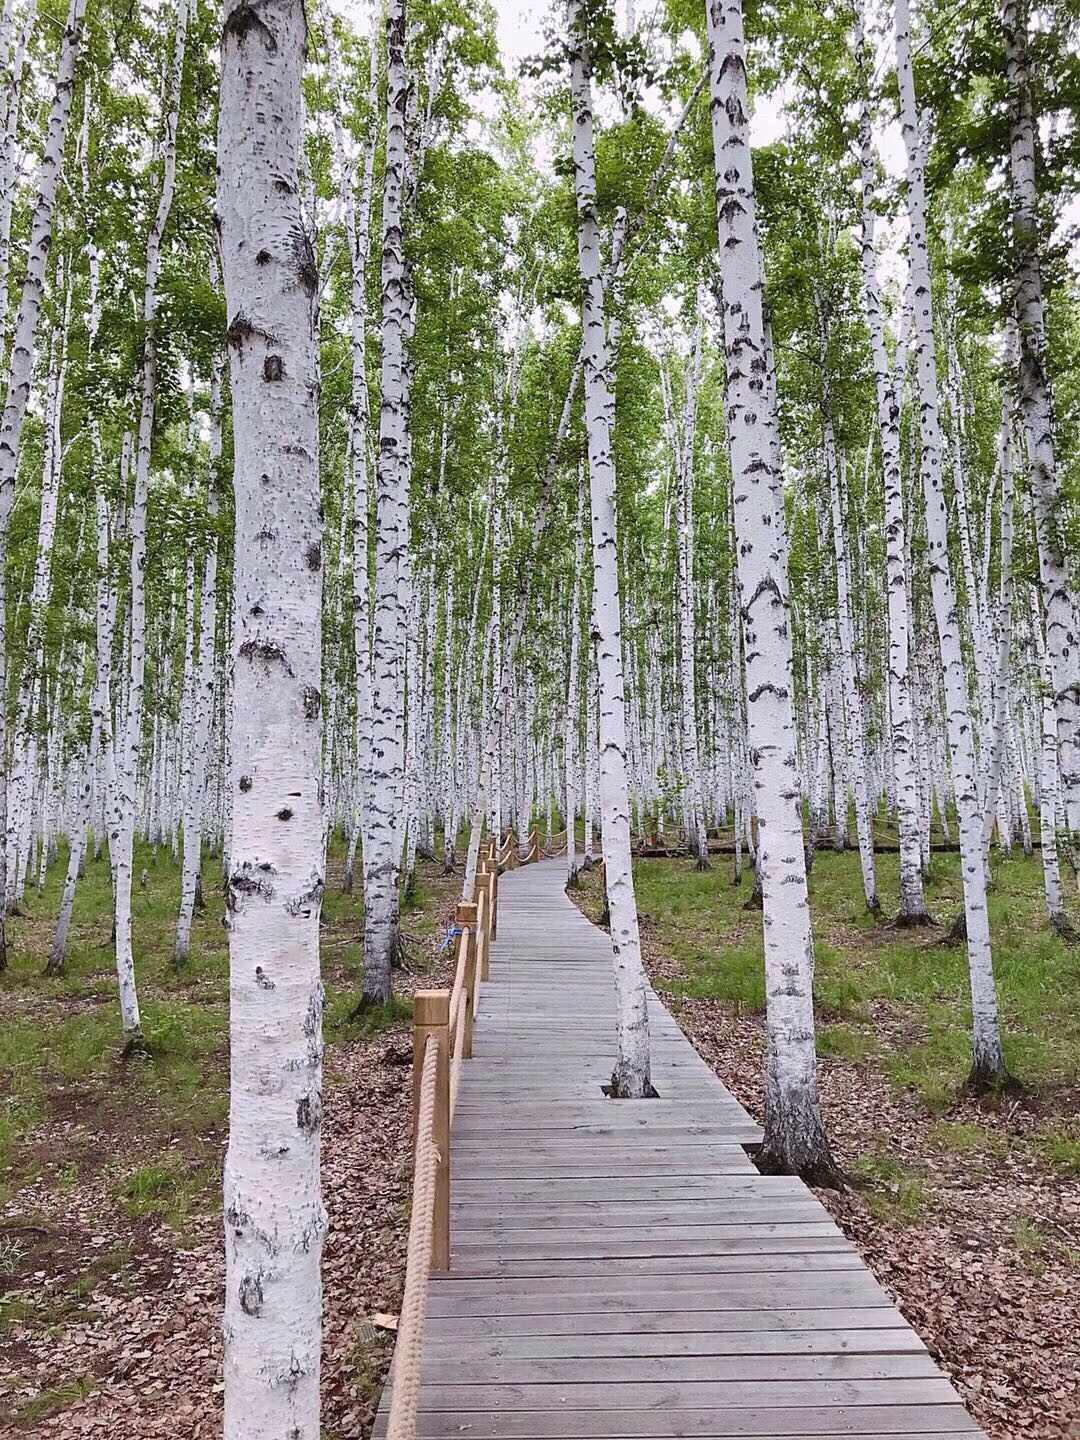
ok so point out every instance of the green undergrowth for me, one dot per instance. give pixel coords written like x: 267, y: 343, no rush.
x: 894, y: 998
x: 53, y: 1401
x: 896, y: 1191
x: 60, y: 1056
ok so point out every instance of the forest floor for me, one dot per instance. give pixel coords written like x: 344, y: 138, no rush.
x: 968, y: 1213
x: 111, y: 1264
x: 110, y: 1241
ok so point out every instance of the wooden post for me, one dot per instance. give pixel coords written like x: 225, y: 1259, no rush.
x: 431, y: 1016
x: 493, y: 928
x: 465, y: 919
x: 483, y: 901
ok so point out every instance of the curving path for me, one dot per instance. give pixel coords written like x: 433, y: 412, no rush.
x: 620, y: 1269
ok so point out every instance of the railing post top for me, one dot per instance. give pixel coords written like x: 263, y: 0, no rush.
x: 466, y: 913
x: 431, y: 1007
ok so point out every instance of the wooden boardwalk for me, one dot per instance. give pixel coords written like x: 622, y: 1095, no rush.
x: 620, y: 1269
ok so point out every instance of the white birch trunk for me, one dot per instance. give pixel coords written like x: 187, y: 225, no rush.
x: 794, y: 1134
x: 204, y: 694
x: 856, y: 751
x: 382, y: 856
x: 988, y: 1065
x: 571, y: 725
x: 1036, y: 413
x: 631, y: 1076
x: 697, y: 835
x: 274, y: 1218
x: 912, y: 908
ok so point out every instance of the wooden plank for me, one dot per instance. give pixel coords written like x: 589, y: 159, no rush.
x: 892, y: 1339
x: 596, y: 1246
x: 863, y: 1422
x: 833, y: 1257
x: 677, y: 1214
x: 840, y: 1289
x: 667, y: 1370
x: 693, y: 1395
x: 667, y: 1321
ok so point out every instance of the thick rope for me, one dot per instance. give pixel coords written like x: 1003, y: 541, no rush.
x: 406, y: 1391
x: 455, y: 1063
x: 459, y: 977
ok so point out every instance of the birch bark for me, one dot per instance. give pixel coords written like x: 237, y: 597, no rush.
x: 1036, y: 412
x: 274, y: 1218
x: 571, y: 724
x: 697, y: 837
x: 912, y: 909
x: 128, y: 757
x: 204, y: 692
x: 988, y: 1065
x: 631, y: 1077
x: 382, y: 855
x: 795, y: 1138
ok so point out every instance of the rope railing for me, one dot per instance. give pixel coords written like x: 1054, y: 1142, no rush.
x: 442, y: 1041
x: 406, y: 1387
x: 443, y: 1022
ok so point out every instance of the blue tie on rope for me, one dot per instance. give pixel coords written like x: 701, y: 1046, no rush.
x: 450, y: 934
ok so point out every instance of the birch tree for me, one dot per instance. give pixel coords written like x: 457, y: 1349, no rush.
x: 631, y: 1078
x: 988, y: 1064
x: 274, y: 1218
x: 795, y: 1140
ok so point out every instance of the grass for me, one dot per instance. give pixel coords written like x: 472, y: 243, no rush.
x: 1059, y: 1143
x: 894, y: 1192
x: 959, y: 1138
x: 52, y: 1401
x: 147, y: 1130
x: 862, y: 963
x: 167, y: 1188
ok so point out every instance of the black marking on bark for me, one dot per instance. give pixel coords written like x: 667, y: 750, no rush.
x: 237, y: 1218
x: 245, y: 18
x: 309, y: 1114
x: 262, y: 979
x: 273, y: 368
x: 285, y: 814
x: 251, y: 1295
x: 312, y: 1022
x: 311, y: 893
x: 245, y: 783
x: 312, y: 702
x: 768, y: 689
x: 307, y: 272
x: 313, y: 555
x: 245, y: 881
x: 266, y: 533
x: 263, y: 257
x: 241, y: 329
x: 766, y: 584
x: 265, y: 650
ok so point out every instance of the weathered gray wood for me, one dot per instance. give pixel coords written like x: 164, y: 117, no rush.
x: 620, y: 1270
x: 737, y: 1293
x: 860, y: 1422
x: 667, y: 1369
x: 739, y: 1262
x: 667, y: 1321
x: 461, y: 1349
